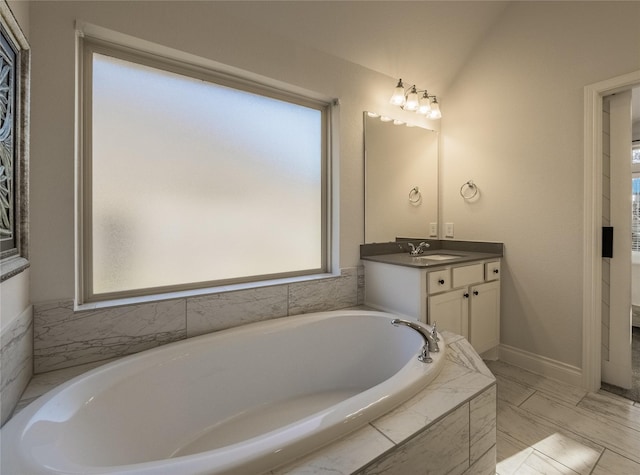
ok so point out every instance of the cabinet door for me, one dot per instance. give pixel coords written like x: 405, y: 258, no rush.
x: 484, y: 316
x: 450, y: 311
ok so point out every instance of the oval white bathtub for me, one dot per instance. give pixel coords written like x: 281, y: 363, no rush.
x: 243, y: 400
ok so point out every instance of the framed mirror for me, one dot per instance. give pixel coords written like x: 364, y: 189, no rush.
x: 401, y: 180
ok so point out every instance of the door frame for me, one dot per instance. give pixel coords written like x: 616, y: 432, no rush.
x: 592, y: 222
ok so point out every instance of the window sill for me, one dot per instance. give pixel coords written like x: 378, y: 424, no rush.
x: 12, y: 266
x: 143, y: 299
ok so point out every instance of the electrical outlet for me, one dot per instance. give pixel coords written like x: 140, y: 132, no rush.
x: 448, y: 230
x: 433, y: 229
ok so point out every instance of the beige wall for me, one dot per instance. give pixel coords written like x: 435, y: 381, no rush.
x: 514, y: 124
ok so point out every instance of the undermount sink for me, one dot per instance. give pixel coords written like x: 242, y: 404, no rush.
x: 438, y: 257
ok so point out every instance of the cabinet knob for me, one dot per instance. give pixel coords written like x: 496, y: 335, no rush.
x: 496, y: 271
x: 466, y: 295
x: 475, y: 292
x: 441, y: 282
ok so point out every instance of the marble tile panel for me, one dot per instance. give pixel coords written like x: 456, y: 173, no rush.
x: 216, y: 312
x: 485, y: 465
x: 450, y: 337
x: 324, y: 294
x: 442, y: 448
x: 16, y: 361
x: 548, y: 438
x: 613, y: 464
x: 613, y: 407
x: 512, y: 392
x: 361, y: 285
x: 452, y: 387
x: 558, y: 389
x: 482, y: 424
x: 343, y: 457
x: 464, y: 355
x: 599, y: 429
x: 510, y: 454
x: 64, y: 338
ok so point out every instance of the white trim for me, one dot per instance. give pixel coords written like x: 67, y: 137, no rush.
x: 541, y: 365
x: 592, y: 218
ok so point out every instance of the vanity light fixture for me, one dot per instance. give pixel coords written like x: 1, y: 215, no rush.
x: 416, y: 100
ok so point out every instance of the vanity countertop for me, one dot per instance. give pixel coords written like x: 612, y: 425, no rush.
x: 423, y: 260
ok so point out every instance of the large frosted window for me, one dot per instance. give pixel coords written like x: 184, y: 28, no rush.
x: 192, y: 183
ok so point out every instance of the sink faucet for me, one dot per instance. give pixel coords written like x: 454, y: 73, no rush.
x: 430, y: 339
x: 415, y: 251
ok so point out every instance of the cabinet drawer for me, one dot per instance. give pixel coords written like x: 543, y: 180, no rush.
x: 467, y: 275
x: 492, y: 270
x: 438, y: 281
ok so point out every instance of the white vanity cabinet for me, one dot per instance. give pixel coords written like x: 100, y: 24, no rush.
x: 462, y: 298
x: 470, y: 306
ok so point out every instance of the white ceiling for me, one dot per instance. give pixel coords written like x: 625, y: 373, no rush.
x: 424, y: 42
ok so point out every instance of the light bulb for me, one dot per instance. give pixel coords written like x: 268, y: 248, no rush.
x: 397, y: 99
x: 435, y: 110
x: 424, y: 106
x: 412, y: 100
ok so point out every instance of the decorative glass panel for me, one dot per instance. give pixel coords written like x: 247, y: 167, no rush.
x: 14, y: 139
x: 7, y: 148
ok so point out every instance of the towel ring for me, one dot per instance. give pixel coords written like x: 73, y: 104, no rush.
x: 414, y: 195
x: 468, y: 190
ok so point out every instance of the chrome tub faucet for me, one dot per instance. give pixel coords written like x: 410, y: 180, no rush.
x: 430, y: 338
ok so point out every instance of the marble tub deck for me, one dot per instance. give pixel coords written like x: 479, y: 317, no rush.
x: 449, y: 427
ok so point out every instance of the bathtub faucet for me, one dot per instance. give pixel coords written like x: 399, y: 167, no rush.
x: 430, y: 342
x: 415, y: 251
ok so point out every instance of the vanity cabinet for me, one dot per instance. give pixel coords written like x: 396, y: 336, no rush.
x: 463, y: 298
x: 469, y: 305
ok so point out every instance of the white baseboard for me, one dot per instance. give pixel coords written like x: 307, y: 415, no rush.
x: 541, y: 365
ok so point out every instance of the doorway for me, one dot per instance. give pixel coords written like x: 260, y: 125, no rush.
x: 621, y: 273
x: 592, y: 244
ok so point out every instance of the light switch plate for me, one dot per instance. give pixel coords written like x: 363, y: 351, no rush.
x: 448, y: 230
x: 433, y: 229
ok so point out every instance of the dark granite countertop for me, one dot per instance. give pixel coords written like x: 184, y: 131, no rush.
x: 397, y: 253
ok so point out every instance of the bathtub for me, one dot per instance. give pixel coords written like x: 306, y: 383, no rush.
x: 243, y: 400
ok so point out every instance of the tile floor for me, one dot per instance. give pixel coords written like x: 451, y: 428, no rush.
x: 548, y: 427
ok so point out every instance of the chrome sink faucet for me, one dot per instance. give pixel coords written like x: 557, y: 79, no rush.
x: 430, y: 338
x: 416, y: 251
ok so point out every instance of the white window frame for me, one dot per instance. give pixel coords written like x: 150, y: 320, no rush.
x: 87, y: 46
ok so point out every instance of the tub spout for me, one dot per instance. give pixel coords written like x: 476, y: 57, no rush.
x: 430, y: 342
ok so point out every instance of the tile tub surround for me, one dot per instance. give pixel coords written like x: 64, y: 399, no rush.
x: 64, y: 338
x: 16, y: 361
x: 449, y: 426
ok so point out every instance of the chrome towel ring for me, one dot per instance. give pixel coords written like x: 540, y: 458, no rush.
x: 414, y: 195
x: 468, y: 190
